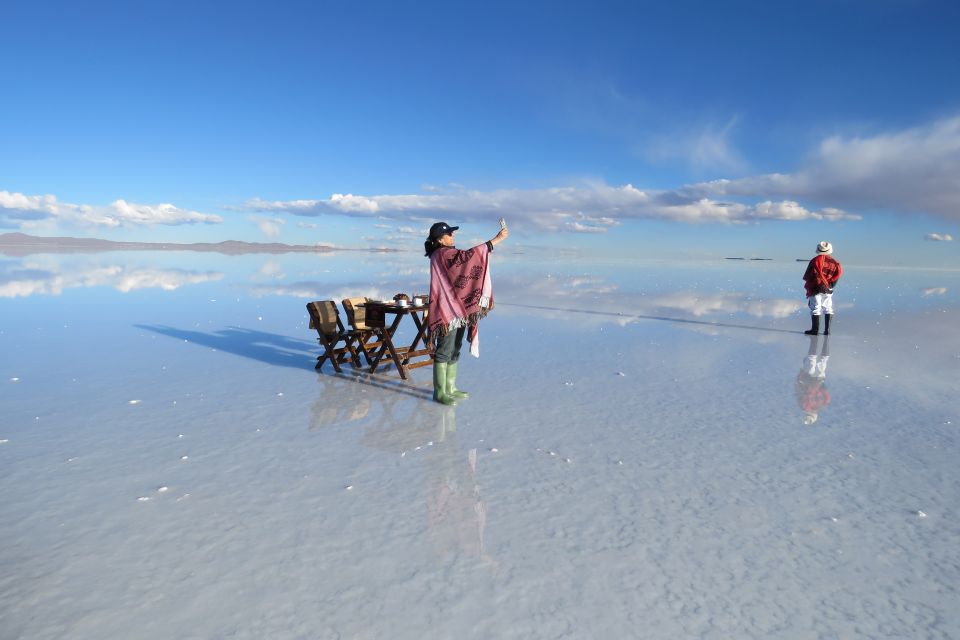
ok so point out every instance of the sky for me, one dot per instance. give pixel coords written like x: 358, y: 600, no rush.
x: 611, y: 129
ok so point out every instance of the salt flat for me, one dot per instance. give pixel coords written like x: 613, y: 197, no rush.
x: 635, y: 460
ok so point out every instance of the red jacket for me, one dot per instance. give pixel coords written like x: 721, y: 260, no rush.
x: 812, y: 394
x: 821, y: 270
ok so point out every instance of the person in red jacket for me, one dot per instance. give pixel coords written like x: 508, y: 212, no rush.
x: 819, y: 279
x: 811, y: 386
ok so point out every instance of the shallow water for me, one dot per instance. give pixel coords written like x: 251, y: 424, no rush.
x: 637, y: 458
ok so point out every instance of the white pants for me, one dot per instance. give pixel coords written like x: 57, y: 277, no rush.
x: 816, y: 366
x: 820, y: 303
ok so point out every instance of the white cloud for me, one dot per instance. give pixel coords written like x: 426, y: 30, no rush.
x: 299, y: 290
x: 939, y: 237
x: 39, y: 281
x: 317, y: 291
x: 270, y: 227
x: 271, y: 270
x: 698, y: 304
x: 558, y: 296
x: 579, y: 227
x: 167, y: 279
x: 587, y: 208
x: 910, y: 171
x: 707, y: 149
x: 21, y: 211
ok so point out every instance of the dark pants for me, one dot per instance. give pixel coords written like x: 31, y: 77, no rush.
x: 448, y: 346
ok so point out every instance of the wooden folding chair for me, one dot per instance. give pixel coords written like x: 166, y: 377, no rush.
x: 368, y: 334
x: 325, y: 318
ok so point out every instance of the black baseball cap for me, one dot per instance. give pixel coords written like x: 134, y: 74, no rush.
x: 441, y: 229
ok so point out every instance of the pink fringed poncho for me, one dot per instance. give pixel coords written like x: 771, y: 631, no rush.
x: 461, y: 292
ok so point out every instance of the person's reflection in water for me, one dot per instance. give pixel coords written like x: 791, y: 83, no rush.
x: 456, y: 511
x: 421, y: 433
x: 426, y: 434
x: 811, y: 386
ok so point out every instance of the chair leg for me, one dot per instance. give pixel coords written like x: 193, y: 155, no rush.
x: 368, y: 345
x: 373, y: 348
x: 354, y: 355
x: 361, y: 349
x: 329, y: 353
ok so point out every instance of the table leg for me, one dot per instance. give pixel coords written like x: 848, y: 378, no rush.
x: 421, y: 335
x: 421, y: 331
x: 396, y: 358
x: 387, y: 340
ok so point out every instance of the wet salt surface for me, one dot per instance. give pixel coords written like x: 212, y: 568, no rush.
x: 636, y: 457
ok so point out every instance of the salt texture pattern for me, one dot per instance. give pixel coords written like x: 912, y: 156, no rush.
x: 636, y: 458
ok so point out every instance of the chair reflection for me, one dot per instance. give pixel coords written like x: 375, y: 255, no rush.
x: 325, y: 414
x: 811, y: 386
x: 351, y: 395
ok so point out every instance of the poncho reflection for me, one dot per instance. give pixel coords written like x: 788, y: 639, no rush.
x: 460, y: 292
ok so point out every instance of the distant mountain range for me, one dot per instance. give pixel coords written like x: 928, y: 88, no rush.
x: 21, y: 244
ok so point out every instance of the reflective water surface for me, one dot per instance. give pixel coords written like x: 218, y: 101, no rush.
x: 651, y: 449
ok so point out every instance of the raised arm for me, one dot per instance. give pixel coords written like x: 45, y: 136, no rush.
x: 500, y: 237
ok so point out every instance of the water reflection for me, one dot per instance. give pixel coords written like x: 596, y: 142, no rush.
x: 420, y: 432
x: 456, y: 512
x: 330, y: 412
x: 28, y: 279
x: 811, y: 384
x: 598, y: 301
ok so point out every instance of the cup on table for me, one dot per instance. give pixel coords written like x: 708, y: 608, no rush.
x: 418, y: 301
x: 401, y: 302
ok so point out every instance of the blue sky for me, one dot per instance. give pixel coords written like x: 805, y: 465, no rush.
x: 614, y: 128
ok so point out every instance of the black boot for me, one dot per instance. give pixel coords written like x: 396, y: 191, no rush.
x: 826, y: 323
x: 814, y: 326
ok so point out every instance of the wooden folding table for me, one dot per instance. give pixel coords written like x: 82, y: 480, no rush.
x: 404, y: 358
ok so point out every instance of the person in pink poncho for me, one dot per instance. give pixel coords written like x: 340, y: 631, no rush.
x: 461, y: 294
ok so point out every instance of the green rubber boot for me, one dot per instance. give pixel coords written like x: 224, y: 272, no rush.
x: 452, y: 390
x: 440, y: 384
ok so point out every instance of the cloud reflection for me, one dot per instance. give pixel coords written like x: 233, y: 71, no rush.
x: 22, y: 282
x: 596, y: 294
